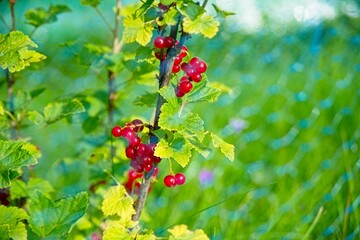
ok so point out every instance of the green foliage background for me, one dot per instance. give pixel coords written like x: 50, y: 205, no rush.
x: 290, y: 105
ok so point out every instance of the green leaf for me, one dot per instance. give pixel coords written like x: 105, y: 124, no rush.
x: 205, y: 24
x: 12, y: 157
x: 40, y: 16
x: 169, y: 18
x: 192, y: 10
x: 166, y: 2
x: 179, y: 149
x: 35, y: 117
x: 97, y: 49
x: 199, y: 147
x: 117, y: 202
x: 36, y: 92
x: 202, y: 92
x: 186, y: 123
x: 168, y: 94
x: 226, y: 148
x: 144, y: 54
x: 10, y: 223
x: 14, y: 53
x: 222, y: 13
x: 147, y: 99
x: 2, y: 111
x: 181, y: 232
x: 92, y: 3
x: 143, y: 8
x: 58, y: 110
x: 135, y: 29
x: 20, y: 189
x: 91, y: 124
x: 116, y: 230
x: 54, y: 220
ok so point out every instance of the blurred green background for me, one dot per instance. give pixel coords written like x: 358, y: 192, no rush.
x: 289, y: 71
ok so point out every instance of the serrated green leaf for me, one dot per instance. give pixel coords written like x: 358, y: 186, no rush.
x: 40, y: 16
x: 10, y: 223
x: 202, y: 92
x: 135, y: 29
x: 5, y: 231
x: 117, y: 230
x: 144, y: 54
x: 179, y: 149
x: 35, y: 117
x: 14, y: 53
x: 199, y: 147
x: 20, y: 189
x: 58, y: 110
x: 117, y: 202
x: 12, y: 157
x: 226, y: 148
x: 147, y: 99
x: 170, y: 17
x: 92, y: 3
x: 143, y: 8
x: 192, y: 10
x: 36, y: 92
x: 220, y: 86
x: 186, y: 123
x: 205, y: 24
x: 54, y: 220
x: 181, y: 232
x: 222, y: 13
x: 168, y: 94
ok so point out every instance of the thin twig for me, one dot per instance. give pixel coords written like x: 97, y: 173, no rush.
x: 204, y: 4
x: 12, y: 10
x: 104, y: 19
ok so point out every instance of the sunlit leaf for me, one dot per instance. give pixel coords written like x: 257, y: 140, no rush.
x: 97, y: 49
x: 54, y: 220
x: 181, y: 232
x: 92, y: 3
x: 14, y: 53
x: 147, y: 99
x: 12, y: 157
x: 204, y: 24
x: 20, y: 189
x: 226, y: 148
x: 170, y: 17
x: 202, y: 92
x: 179, y: 149
x: 10, y: 223
x: 192, y: 10
x: 135, y: 29
x: 2, y: 111
x: 117, y: 202
x: 222, y: 13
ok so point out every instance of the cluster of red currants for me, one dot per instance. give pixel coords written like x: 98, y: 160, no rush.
x: 132, y: 184
x: 193, y: 71
x: 141, y: 154
x: 173, y: 180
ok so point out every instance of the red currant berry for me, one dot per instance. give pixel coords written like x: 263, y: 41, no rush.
x: 159, y: 42
x: 169, y: 181
x: 156, y: 159
x: 177, y: 60
x: 185, y: 86
x: 176, y: 68
x: 184, y: 66
x: 148, y: 167
x: 127, y: 133
x: 196, y: 77
x: 138, y: 125
x: 195, y: 62
x: 169, y: 42
x: 116, y: 131
x: 130, y: 152
x: 180, y: 179
x: 184, y: 78
x: 202, y: 67
x: 179, y: 93
x: 141, y: 149
x: 190, y: 71
x: 150, y: 149
x: 147, y: 160
x: 184, y: 52
x: 163, y: 7
x: 135, y: 141
x: 134, y: 175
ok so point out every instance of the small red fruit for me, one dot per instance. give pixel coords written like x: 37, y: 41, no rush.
x: 185, y: 86
x: 180, y: 179
x: 196, y: 77
x: 130, y: 152
x: 176, y: 68
x: 184, y: 52
x: 116, y: 131
x: 169, y: 181
x: 179, y: 93
x: 138, y: 125
x: 159, y: 42
x: 177, y: 60
x: 169, y: 42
